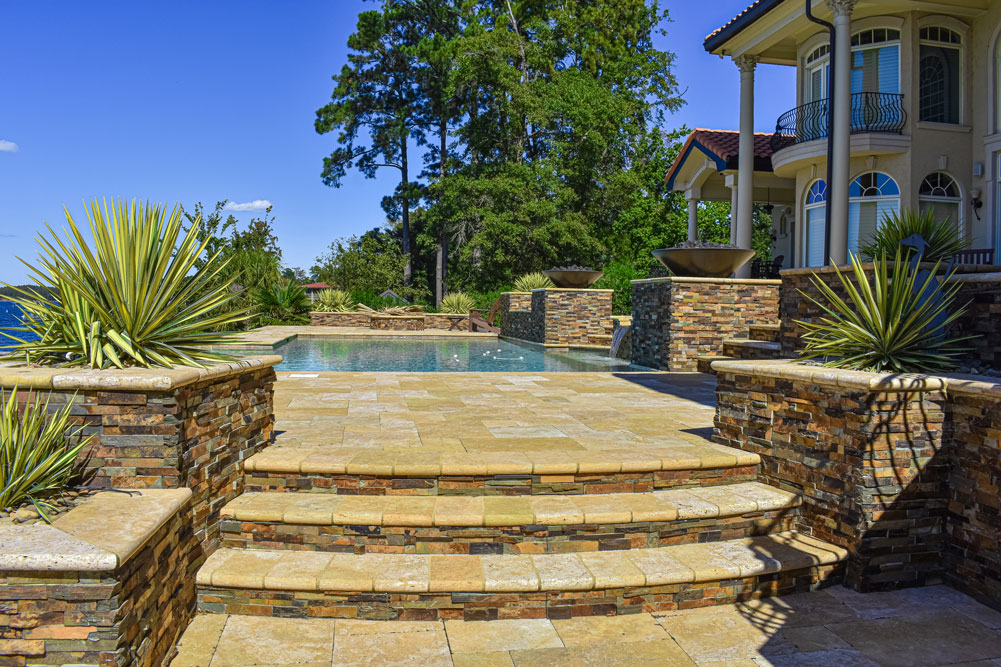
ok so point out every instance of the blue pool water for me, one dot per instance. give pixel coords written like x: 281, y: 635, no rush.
x: 409, y: 354
x: 10, y: 315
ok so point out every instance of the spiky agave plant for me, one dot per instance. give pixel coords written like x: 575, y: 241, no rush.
x: 335, y: 301
x: 284, y: 302
x: 133, y: 296
x: 37, y: 451
x: 531, y: 281
x: 456, y: 302
x: 942, y: 236
x: 888, y: 321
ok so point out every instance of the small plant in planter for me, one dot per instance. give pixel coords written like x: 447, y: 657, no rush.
x: 134, y: 297
x: 458, y: 303
x: 38, y: 450
x: 531, y: 281
x: 893, y: 321
x: 335, y: 301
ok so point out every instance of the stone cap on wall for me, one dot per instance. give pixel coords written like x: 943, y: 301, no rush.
x: 127, y: 379
x: 960, y: 268
x: 98, y: 535
x: 787, y: 369
x: 567, y: 289
x: 717, y: 281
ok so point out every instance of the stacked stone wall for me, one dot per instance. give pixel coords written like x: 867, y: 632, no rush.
x: 398, y: 322
x: 677, y: 320
x: 340, y: 319
x: 444, y: 321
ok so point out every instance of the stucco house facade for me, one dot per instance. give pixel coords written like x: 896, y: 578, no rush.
x: 917, y: 122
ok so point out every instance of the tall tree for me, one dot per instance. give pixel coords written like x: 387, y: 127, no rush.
x: 374, y: 106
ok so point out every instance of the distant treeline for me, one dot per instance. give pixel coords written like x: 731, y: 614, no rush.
x: 8, y: 292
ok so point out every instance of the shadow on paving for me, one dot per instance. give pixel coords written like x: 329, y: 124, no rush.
x: 689, y: 386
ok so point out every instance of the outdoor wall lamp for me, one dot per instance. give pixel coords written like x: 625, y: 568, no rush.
x: 976, y: 202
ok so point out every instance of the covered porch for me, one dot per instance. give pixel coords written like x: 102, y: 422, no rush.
x: 707, y: 169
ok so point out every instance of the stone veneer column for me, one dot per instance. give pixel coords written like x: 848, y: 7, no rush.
x: 841, y: 98
x: 745, y: 158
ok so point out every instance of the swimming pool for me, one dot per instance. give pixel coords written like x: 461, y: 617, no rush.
x: 435, y: 355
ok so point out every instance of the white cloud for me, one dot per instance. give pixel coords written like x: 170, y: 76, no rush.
x: 8, y: 146
x: 256, y: 205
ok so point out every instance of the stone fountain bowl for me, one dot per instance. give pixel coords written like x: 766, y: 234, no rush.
x: 574, y: 278
x: 703, y: 262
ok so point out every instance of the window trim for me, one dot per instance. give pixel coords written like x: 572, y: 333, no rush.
x: 961, y: 48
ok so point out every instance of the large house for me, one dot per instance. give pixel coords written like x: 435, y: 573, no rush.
x: 915, y: 90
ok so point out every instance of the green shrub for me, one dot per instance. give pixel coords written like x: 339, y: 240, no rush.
x: 942, y: 236
x: 617, y: 277
x: 282, y: 303
x: 456, y: 302
x: 531, y: 281
x: 335, y: 301
x: 37, y: 452
x: 137, y: 297
x: 883, y: 325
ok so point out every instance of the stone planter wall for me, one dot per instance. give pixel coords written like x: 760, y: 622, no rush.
x: 111, y: 583
x: 904, y: 471
x: 398, y: 322
x: 155, y: 428
x: 981, y: 287
x: 340, y: 319
x: 516, y: 318
x: 442, y: 321
x: 676, y: 320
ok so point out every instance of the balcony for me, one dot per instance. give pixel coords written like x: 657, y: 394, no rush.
x: 871, y: 112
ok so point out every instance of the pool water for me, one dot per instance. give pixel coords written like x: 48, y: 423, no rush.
x: 435, y: 355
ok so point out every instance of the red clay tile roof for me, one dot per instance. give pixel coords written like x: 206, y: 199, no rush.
x: 316, y: 286
x: 724, y: 145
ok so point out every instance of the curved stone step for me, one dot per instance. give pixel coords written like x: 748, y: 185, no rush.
x: 308, y: 583
x: 745, y: 348
x: 704, y: 363
x: 505, y: 524
x: 413, y: 471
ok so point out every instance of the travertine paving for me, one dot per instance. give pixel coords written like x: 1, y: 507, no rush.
x: 835, y: 626
x: 494, y: 412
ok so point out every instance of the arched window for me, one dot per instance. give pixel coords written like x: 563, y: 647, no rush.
x: 814, y: 220
x: 940, y: 193
x: 876, y: 61
x: 939, y: 75
x: 817, y: 70
x: 870, y: 197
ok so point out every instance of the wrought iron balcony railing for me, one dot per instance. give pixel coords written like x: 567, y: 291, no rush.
x: 871, y: 112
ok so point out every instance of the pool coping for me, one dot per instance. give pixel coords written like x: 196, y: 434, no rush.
x: 273, y: 336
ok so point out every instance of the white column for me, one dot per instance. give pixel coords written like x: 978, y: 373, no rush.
x: 841, y: 98
x: 745, y: 158
x: 693, y: 219
x: 733, y: 214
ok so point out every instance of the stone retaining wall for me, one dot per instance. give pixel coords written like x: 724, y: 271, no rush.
x: 118, y: 609
x: 340, y: 319
x: 444, y: 321
x: 676, y: 320
x: 981, y: 288
x: 398, y: 322
x: 904, y: 471
x: 163, y: 429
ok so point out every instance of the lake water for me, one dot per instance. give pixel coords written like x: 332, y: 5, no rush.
x: 10, y: 315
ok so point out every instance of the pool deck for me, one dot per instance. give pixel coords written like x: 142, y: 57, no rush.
x: 271, y: 337
x: 494, y: 412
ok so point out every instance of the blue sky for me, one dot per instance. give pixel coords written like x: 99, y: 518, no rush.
x: 191, y: 101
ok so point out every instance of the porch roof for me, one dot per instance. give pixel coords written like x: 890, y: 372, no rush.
x: 754, y: 11
x: 721, y: 146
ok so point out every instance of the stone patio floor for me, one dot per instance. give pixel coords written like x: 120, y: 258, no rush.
x: 836, y: 627
x: 483, y: 412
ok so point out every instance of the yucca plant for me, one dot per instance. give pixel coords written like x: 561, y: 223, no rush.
x: 456, y: 302
x: 335, y: 301
x: 284, y: 302
x: 531, y: 281
x: 942, y: 236
x: 38, y: 451
x: 136, y: 297
x: 895, y: 320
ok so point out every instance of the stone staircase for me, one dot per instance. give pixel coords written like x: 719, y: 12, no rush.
x: 763, y: 343
x: 423, y: 535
